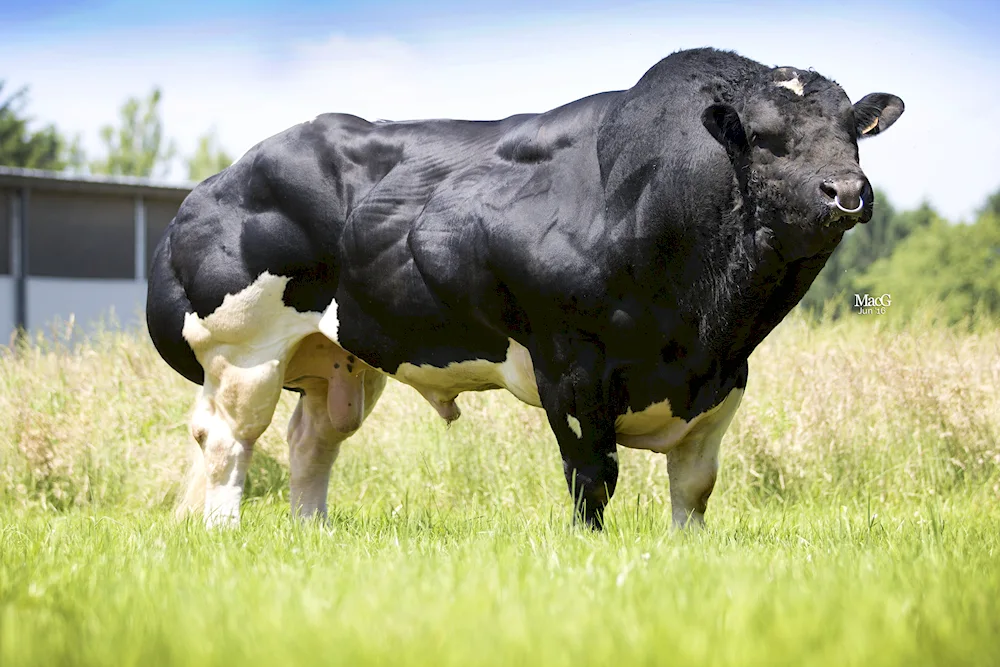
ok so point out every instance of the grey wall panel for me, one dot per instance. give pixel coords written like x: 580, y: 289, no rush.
x: 6, y: 309
x: 5, y: 201
x: 159, y: 213
x: 89, y: 301
x: 73, y: 235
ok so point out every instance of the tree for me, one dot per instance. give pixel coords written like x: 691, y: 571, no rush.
x: 136, y: 147
x: 76, y: 158
x: 992, y: 205
x: 20, y: 147
x: 209, y: 158
x: 955, y: 268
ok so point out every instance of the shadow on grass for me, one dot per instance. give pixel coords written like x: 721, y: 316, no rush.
x: 266, y: 477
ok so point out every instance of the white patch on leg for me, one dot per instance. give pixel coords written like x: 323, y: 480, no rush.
x: 693, y: 463
x: 312, y: 448
x: 793, y: 85
x: 234, y: 409
x: 574, y: 425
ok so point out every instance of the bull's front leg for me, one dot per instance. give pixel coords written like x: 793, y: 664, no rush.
x: 575, y: 402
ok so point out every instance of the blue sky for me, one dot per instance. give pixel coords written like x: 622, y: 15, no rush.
x: 251, y: 69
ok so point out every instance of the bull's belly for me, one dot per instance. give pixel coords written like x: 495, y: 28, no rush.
x: 234, y: 332
x: 653, y: 428
x: 440, y: 386
x: 656, y: 428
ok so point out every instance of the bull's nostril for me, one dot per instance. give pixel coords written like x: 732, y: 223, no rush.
x: 844, y: 194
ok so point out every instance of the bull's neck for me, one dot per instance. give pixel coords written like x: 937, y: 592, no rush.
x: 744, y: 287
x: 761, y: 287
x: 771, y: 287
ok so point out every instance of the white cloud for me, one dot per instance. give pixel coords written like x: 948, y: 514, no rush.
x: 938, y: 150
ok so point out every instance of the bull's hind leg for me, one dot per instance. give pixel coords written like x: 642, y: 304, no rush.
x: 234, y: 408
x: 338, y: 393
x: 244, y: 347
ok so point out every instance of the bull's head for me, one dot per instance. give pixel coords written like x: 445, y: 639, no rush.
x: 794, y: 146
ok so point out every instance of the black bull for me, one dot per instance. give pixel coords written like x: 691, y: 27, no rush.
x: 614, y: 260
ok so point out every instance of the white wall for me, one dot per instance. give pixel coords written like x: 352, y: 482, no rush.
x: 51, y: 299
x: 6, y: 309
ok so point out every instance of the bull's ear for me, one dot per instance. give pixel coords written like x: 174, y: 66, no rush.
x: 874, y: 113
x: 723, y: 123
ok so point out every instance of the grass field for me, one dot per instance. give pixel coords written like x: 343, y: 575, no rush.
x: 856, y: 522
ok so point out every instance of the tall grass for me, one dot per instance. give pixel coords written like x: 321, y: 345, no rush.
x: 844, y: 410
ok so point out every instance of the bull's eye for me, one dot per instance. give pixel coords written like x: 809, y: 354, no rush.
x: 775, y: 144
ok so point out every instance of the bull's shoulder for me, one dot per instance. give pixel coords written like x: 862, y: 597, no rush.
x: 541, y: 137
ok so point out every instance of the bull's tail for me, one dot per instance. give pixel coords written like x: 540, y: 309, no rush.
x: 166, y: 306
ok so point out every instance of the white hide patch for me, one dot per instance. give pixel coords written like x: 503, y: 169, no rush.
x: 613, y: 456
x: 441, y: 385
x: 574, y: 425
x: 329, y: 325
x: 793, y: 85
x: 656, y: 429
x: 254, y: 319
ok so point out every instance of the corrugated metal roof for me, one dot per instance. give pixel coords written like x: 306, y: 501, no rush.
x: 55, y: 180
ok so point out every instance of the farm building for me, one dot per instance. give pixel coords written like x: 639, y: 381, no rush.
x: 77, y: 246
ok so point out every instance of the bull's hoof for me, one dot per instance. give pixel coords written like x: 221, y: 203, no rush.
x: 594, y: 520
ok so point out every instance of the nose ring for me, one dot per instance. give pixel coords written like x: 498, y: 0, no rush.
x: 861, y: 205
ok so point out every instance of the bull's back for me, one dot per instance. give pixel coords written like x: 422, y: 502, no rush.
x: 278, y: 210
x: 288, y: 207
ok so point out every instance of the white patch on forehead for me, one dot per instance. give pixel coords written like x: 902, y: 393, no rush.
x: 793, y: 85
x: 574, y: 425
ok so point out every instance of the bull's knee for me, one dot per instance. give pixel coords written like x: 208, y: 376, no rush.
x: 324, y: 417
x: 691, y: 502
x: 691, y: 485
x: 235, y: 408
x: 313, y: 445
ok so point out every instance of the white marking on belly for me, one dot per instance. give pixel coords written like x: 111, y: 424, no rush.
x: 793, y: 85
x: 440, y: 385
x: 655, y: 428
x: 329, y: 325
x: 574, y: 425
